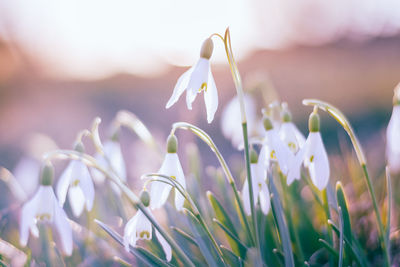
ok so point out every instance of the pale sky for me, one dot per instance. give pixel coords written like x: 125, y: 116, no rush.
x: 96, y: 38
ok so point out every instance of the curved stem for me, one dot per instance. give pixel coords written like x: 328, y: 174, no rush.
x: 341, y: 118
x: 90, y: 161
x: 207, y: 139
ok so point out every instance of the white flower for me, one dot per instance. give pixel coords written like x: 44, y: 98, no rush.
x: 260, y: 189
x: 231, y: 124
x: 77, y: 178
x: 197, y: 79
x: 274, y: 149
x: 44, y: 207
x: 27, y: 180
x: 159, y: 192
x: 393, y: 140
x: 112, y: 161
x: 139, y: 227
x: 315, y: 158
x: 291, y: 136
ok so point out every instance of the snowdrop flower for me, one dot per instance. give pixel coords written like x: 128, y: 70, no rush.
x: 76, y: 178
x: 260, y: 188
x: 197, y: 79
x: 230, y: 121
x: 44, y: 207
x: 392, y: 135
x: 289, y: 133
x: 139, y: 227
x: 313, y: 155
x: 172, y: 167
x: 274, y: 149
x: 112, y: 161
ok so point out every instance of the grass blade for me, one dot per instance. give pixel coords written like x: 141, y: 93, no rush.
x: 341, y: 243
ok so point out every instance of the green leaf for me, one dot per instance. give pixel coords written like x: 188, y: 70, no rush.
x: 141, y: 254
x: 230, y: 258
x: 389, y: 207
x: 330, y: 249
x: 342, y: 203
x: 341, y: 243
x: 205, y: 244
x: 282, y: 226
x: 224, y: 219
x: 185, y: 235
x: 234, y: 238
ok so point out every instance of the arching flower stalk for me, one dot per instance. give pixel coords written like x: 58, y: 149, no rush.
x: 44, y: 207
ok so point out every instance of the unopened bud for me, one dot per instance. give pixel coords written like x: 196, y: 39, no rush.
x: 314, y: 122
x: 172, y: 144
x: 145, y: 198
x: 253, y: 156
x: 207, y: 48
x: 267, y: 124
x: 47, y: 174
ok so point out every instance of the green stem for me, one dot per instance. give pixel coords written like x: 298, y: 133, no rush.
x: 90, y: 161
x: 207, y: 139
x: 382, y: 238
x: 328, y: 217
x: 251, y: 193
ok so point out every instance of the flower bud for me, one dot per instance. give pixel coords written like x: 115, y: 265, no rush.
x: 286, y: 116
x: 253, y: 156
x: 172, y: 144
x: 47, y: 174
x: 79, y: 147
x: 145, y: 197
x: 314, y: 122
x: 207, y: 48
x: 267, y: 124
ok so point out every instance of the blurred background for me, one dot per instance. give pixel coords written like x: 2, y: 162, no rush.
x: 64, y: 62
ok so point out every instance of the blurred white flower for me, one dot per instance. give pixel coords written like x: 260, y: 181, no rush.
x: 231, y: 123
x: 314, y: 157
x: 139, y: 227
x: 290, y: 134
x: 274, y: 149
x: 76, y: 178
x: 393, y: 140
x: 260, y: 189
x: 197, y: 79
x: 26, y: 174
x: 44, y: 207
x: 112, y: 161
x: 159, y: 191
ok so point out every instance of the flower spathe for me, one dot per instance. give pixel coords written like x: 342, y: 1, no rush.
x: 139, y: 227
x: 159, y: 191
x: 260, y: 189
x: 315, y: 158
x: 44, y: 207
x: 393, y: 140
x: 76, y: 178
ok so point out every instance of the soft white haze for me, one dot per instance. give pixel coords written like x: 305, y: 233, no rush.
x: 94, y: 38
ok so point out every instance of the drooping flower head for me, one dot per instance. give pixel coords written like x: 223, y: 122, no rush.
x: 139, y: 227
x: 44, y: 208
x: 230, y: 121
x: 393, y: 134
x: 289, y: 133
x: 260, y: 188
x: 76, y: 180
x: 274, y: 149
x: 313, y: 155
x: 172, y: 167
x: 196, y: 80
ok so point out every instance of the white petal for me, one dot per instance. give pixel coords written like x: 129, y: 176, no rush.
x: 130, y: 232
x: 180, y: 87
x: 47, y: 200
x: 64, y: 181
x: 99, y: 177
x: 197, y: 78
x: 319, y: 166
x: 299, y: 136
x: 86, y: 184
x: 27, y: 174
x: 143, y: 226
x: 63, y: 229
x: 282, y: 152
x: 211, y: 97
x: 295, y: 166
x: 164, y: 244
x: 113, y: 152
x: 28, y: 218
x: 156, y: 190
x: 393, y: 140
x: 287, y: 134
x: 265, y: 202
x: 246, y: 198
x: 76, y: 200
